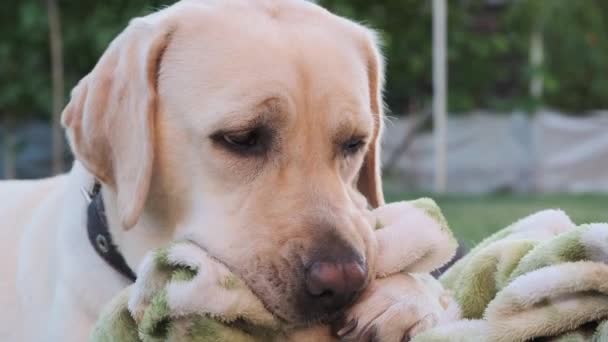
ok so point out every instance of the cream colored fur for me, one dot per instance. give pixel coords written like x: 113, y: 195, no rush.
x: 148, y: 122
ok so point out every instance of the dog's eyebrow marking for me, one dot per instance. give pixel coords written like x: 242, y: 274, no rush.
x: 351, y: 127
x: 269, y: 110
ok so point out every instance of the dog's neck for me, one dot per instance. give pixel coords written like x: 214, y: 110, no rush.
x: 84, y: 269
x: 136, y: 242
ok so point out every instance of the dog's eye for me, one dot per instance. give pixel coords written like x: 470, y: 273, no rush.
x: 353, y: 145
x: 249, y: 142
x: 245, y: 140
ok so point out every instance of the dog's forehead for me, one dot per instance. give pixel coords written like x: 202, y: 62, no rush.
x: 230, y: 62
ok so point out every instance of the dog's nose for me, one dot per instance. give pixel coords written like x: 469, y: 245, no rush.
x: 335, y: 284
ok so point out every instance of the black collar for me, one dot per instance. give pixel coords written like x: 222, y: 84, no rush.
x: 99, y: 234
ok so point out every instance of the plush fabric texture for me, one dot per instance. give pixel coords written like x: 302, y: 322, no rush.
x: 184, y: 294
x: 541, y: 278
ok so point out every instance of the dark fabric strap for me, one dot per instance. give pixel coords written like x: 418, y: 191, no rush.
x: 100, y: 237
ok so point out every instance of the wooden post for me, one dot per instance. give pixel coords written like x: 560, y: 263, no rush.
x: 440, y: 93
x: 536, y: 62
x: 10, y: 148
x: 56, y: 46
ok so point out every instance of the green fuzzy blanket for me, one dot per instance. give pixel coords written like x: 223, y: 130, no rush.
x: 541, y: 278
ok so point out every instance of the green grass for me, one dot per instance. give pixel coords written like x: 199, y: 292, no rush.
x: 473, y: 218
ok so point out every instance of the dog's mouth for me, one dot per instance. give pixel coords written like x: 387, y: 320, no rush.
x: 320, y: 319
x: 333, y: 320
x: 327, y: 318
x: 285, y: 319
x: 291, y: 316
x: 291, y: 305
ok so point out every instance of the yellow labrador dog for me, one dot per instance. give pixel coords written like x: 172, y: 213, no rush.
x: 249, y: 126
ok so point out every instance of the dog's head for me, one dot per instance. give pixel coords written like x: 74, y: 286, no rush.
x: 250, y: 127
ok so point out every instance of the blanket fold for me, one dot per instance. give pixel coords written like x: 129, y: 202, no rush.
x: 542, y: 277
x: 184, y: 294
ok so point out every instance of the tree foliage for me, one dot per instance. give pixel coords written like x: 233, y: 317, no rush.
x: 487, y: 52
x: 87, y: 28
x: 576, y: 49
x: 488, y: 48
x: 24, y: 71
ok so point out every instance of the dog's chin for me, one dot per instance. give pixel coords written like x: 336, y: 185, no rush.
x: 307, y: 322
x: 325, y: 318
x: 293, y: 318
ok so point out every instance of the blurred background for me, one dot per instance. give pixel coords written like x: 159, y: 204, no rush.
x: 524, y: 125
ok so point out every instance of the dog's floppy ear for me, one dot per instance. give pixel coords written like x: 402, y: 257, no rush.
x: 110, y: 117
x: 370, y: 182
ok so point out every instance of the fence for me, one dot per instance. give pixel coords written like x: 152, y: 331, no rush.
x: 547, y: 152
x: 30, y: 151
